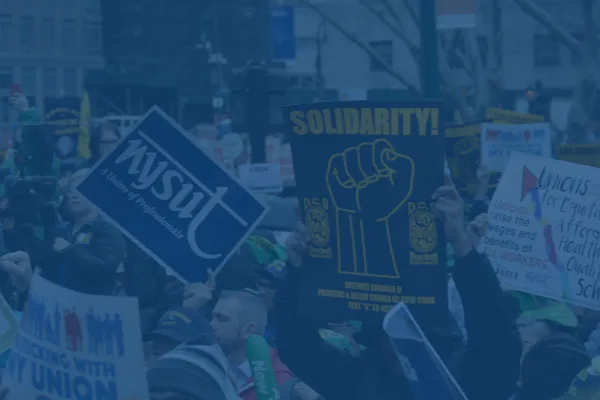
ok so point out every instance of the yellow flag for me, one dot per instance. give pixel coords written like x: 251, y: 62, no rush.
x: 85, y: 118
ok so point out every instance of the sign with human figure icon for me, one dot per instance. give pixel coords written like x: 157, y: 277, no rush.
x: 365, y: 173
x: 76, y: 346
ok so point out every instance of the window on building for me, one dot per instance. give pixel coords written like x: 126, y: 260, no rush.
x: 49, y: 82
x: 546, y: 51
x: 6, y: 33
x: 70, y: 81
x: 28, y: 81
x: 576, y: 58
x: 27, y: 36
x: 69, y: 38
x: 385, y: 50
x: 48, y: 37
x: 92, y: 40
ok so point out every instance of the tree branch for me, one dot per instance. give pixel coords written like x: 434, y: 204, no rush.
x: 544, y: 19
x: 411, y: 11
x: 389, y: 8
x: 412, y: 47
x: 590, y: 39
x: 411, y: 88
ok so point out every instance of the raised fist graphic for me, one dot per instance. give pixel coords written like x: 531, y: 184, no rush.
x: 368, y: 183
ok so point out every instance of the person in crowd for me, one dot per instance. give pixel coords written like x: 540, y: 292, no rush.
x: 199, y: 371
x: 586, y: 385
x: 537, y: 325
x: 142, y: 277
x: 104, y: 137
x: 487, y: 367
x: 237, y: 316
x: 83, y: 257
x: 269, y: 282
x: 550, y: 366
x: 196, y: 371
x: 177, y: 326
x: 476, y: 231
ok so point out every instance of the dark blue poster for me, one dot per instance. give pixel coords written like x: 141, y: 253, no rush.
x: 62, y: 114
x: 365, y: 172
x: 171, y: 199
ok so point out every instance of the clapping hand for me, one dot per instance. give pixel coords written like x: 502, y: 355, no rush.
x: 18, y: 266
x: 196, y: 295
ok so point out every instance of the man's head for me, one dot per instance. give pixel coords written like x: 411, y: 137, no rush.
x: 76, y: 204
x: 550, y: 366
x: 174, y: 328
x: 237, y: 316
x: 196, y: 371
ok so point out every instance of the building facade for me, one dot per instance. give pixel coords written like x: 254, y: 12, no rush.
x: 48, y: 46
x: 528, y: 51
x: 158, y: 53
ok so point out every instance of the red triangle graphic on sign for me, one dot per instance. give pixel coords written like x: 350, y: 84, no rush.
x: 528, y: 183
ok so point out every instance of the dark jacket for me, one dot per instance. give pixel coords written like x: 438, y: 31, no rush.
x: 487, y: 368
x: 89, y: 265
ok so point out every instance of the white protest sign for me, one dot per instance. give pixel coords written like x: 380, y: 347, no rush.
x: 544, y: 235
x: 499, y: 140
x: 8, y: 326
x: 427, y: 374
x: 261, y: 178
x: 76, y: 346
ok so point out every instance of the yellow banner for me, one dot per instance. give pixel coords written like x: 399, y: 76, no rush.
x: 584, y: 154
x: 501, y: 116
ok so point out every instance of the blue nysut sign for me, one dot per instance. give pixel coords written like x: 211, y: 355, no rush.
x: 172, y: 199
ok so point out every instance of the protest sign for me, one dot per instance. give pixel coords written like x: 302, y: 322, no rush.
x: 501, y: 116
x: 365, y: 173
x: 261, y: 178
x: 499, y: 140
x: 545, y: 230
x: 171, y: 199
x: 76, y: 346
x: 426, y: 372
x: 63, y: 117
x: 463, y: 152
x: 8, y: 326
x: 281, y: 153
x: 584, y: 154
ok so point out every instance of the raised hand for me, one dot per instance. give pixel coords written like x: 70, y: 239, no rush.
x: 197, y: 295
x: 18, y: 266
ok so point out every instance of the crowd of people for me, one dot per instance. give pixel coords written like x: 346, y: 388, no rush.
x: 497, y: 345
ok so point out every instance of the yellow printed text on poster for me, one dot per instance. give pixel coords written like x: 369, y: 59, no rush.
x: 366, y: 121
